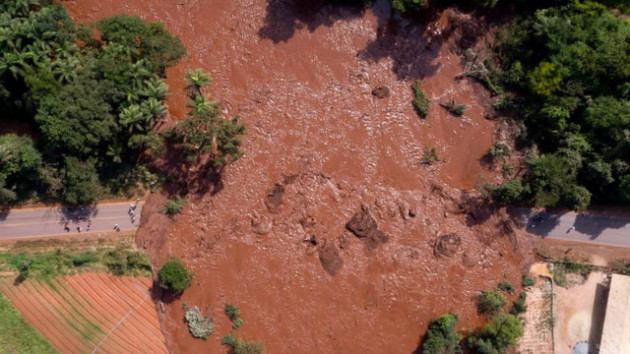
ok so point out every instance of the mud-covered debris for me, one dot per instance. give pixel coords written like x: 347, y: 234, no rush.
x: 330, y: 258
x: 447, y: 245
x: 364, y: 227
x: 470, y: 259
x: 261, y: 224
x: 381, y: 92
x: 275, y: 198
x: 406, y: 211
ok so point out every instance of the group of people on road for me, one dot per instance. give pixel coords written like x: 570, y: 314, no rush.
x: 80, y: 217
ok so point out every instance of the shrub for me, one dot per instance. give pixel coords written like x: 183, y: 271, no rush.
x: 481, y: 346
x: 174, y: 276
x: 459, y: 109
x: 173, y: 206
x: 198, y: 325
x: 234, y: 314
x: 527, y: 281
x: 442, y: 337
x: 228, y: 340
x: 506, y: 286
x: 247, y: 347
x: 491, y: 302
x: 122, y: 261
x: 519, y: 305
x: 499, y: 150
x: 420, y: 102
x: 430, y: 156
x: 509, y: 193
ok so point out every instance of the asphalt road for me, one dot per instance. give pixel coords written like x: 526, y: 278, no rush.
x: 608, y: 230
x: 50, y: 221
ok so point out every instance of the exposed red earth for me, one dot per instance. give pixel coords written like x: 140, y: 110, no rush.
x: 302, y: 81
x: 90, y: 312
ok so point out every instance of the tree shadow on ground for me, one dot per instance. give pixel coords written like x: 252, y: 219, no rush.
x: 285, y: 17
x: 406, y: 42
x: 400, y: 38
x: 4, y: 213
x: 159, y: 294
x: 183, y: 178
x: 594, y: 225
x: 542, y: 223
x: 77, y: 214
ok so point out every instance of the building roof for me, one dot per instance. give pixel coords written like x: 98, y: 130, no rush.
x: 616, y: 332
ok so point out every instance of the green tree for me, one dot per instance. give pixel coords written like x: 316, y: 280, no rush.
x: 510, y: 192
x: 205, y: 131
x: 174, y: 276
x: 149, y: 41
x: 503, y: 331
x: 491, y: 302
x: 442, y: 336
x: 81, y: 184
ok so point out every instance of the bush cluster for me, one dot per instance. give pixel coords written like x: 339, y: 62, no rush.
x: 442, y: 336
x: 174, y: 276
x: 420, y: 102
x: 234, y: 314
x: 491, y: 302
x: 198, y: 325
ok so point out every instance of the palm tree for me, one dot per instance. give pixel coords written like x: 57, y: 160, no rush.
x: 65, y: 70
x: 155, y: 88
x: 134, y: 117
x: 153, y: 108
x: 114, y: 151
x: 196, y: 80
x: 200, y: 104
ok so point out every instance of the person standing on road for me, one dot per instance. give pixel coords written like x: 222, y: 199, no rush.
x: 89, y: 225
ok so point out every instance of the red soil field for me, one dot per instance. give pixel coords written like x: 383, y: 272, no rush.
x: 301, y: 78
x: 91, y: 312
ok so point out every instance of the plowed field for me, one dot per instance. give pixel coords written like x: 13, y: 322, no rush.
x: 90, y: 312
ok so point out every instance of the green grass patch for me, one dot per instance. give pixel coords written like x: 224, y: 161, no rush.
x: 567, y: 266
x: 621, y: 266
x: 16, y: 335
x: 44, y: 265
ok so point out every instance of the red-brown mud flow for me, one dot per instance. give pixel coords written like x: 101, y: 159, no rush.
x: 302, y: 81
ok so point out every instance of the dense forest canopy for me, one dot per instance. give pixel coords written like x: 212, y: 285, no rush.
x: 569, y: 67
x: 90, y: 101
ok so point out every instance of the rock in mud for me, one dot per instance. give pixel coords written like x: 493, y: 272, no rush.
x: 364, y: 227
x: 275, y: 198
x: 381, y: 92
x: 330, y: 258
x: 470, y: 259
x: 447, y: 245
x: 261, y: 224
